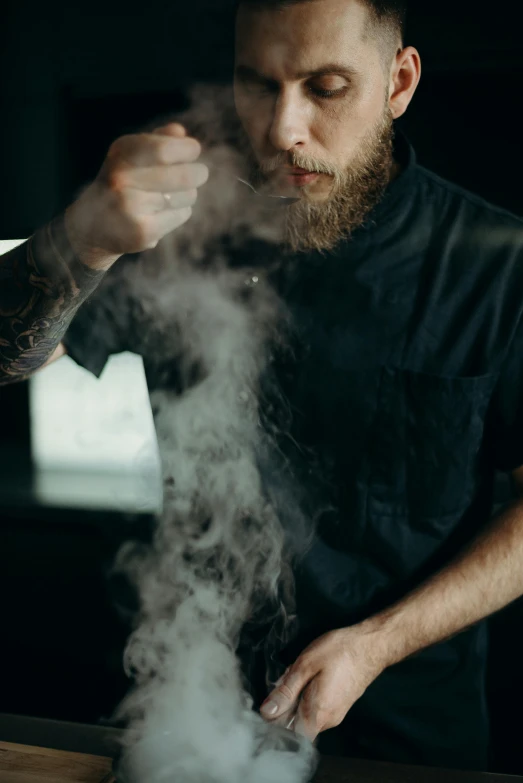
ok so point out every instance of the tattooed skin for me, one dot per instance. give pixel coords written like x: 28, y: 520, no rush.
x: 42, y: 285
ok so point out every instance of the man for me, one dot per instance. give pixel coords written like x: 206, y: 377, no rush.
x: 410, y: 390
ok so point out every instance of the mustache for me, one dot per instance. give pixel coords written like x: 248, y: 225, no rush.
x: 295, y: 159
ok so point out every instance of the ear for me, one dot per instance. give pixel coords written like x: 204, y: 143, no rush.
x: 405, y: 76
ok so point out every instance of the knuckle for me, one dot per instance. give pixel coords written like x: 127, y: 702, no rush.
x: 189, y: 150
x: 201, y: 173
x: 335, y: 720
x: 192, y: 175
x: 116, y: 180
x: 310, y: 700
x: 121, y: 200
x: 302, y: 667
x: 195, y: 148
x: 174, y: 127
x: 143, y: 236
x: 323, y: 708
x: 114, y: 150
x: 184, y: 215
x: 192, y: 197
x: 184, y: 178
x: 321, y: 724
x: 118, y: 146
x: 286, y: 692
x: 306, y: 709
x: 164, y: 151
x: 320, y: 714
x: 205, y: 172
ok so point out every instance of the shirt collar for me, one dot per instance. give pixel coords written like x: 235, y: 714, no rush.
x: 399, y: 191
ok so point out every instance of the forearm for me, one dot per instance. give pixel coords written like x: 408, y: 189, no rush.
x: 484, y: 579
x: 42, y: 285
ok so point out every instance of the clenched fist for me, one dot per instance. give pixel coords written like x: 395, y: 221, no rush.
x: 145, y: 189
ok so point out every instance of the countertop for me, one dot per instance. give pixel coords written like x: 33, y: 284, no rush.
x: 40, y: 751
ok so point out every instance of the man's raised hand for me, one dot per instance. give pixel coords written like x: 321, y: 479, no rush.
x: 145, y: 189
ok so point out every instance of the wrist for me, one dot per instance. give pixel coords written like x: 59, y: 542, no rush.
x: 384, y: 640
x: 79, y: 236
x: 57, y: 262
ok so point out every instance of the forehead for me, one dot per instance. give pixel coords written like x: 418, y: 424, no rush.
x: 279, y: 42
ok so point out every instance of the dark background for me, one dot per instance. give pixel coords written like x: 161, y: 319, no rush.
x: 75, y: 75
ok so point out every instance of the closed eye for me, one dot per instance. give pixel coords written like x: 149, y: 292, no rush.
x: 329, y: 93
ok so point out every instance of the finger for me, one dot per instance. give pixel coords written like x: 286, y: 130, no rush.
x: 309, y: 716
x: 135, y: 203
x: 286, y: 720
x: 304, y: 728
x: 164, y: 179
x: 281, y: 680
x: 159, y: 225
x: 178, y: 200
x: 320, y: 708
x: 138, y: 202
x: 284, y: 698
x: 171, y: 129
x: 150, y: 149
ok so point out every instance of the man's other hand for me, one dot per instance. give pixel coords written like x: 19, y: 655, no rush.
x: 322, y: 685
x: 145, y: 189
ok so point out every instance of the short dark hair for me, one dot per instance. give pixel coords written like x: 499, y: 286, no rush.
x: 391, y: 14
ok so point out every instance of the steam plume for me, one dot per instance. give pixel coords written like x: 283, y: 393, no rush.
x: 221, y: 555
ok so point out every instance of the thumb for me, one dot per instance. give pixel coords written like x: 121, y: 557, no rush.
x: 171, y: 129
x: 285, y: 697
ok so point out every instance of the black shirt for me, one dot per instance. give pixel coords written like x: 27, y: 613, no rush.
x: 408, y: 390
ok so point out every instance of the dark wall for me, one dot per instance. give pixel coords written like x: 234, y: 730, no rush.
x: 62, y: 643
x: 75, y: 75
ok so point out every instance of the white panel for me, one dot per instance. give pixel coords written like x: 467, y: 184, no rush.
x: 9, y: 244
x: 93, y: 440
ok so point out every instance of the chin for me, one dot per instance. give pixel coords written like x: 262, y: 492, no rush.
x: 317, y: 194
x: 320, y: 197
x: 322, y: 189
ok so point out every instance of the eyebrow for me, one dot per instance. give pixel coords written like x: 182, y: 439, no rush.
x: 338, y: 69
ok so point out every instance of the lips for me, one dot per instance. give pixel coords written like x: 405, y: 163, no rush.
x: 299, y: 177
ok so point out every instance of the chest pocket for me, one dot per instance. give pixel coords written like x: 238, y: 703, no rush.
x: 424, y: 444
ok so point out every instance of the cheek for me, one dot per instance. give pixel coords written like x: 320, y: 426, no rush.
x: 254, y: 118
x: 341, y: 128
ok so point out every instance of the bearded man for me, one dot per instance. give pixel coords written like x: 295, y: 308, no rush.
x: 408, y: 295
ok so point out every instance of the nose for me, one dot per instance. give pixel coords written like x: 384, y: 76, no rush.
x: 289, y: 126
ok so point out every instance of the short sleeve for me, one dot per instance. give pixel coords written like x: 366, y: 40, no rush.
x: 104, y: 325
x: 505, y: 421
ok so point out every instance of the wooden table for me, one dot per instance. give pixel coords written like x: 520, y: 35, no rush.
x: 29, y: 763
x: 26, y: 764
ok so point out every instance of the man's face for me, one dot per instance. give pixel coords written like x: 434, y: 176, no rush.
x: 311, y: 92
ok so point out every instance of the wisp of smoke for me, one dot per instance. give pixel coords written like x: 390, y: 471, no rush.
x: 221, y: 555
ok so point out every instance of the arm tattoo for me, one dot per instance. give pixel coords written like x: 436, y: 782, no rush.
x: 42, y: 285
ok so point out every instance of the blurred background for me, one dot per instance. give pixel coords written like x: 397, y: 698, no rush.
x: 74, y: 77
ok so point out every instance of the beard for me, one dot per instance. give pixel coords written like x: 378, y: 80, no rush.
x: 356, y: 191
